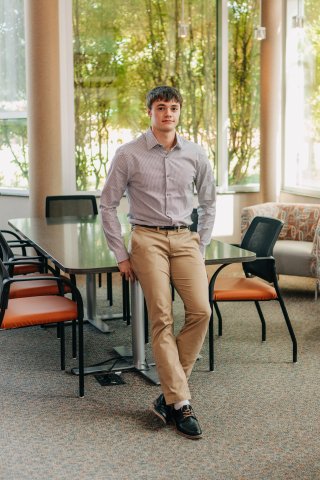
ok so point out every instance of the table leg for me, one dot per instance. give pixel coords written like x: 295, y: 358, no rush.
x: 137, y: 355
x: 92, y: 317
x: 138, y: 337
x: 134, y: 359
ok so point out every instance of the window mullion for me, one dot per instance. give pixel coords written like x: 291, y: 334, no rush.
x: 222, y: 94
x: 67, y: 98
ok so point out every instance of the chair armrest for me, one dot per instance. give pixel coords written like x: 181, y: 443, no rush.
x: 17, y: 261
x: 17, y: 241
x: 29, y: 261
x: 26, y: 259
x: 13, y: 234
x: 76, y: 295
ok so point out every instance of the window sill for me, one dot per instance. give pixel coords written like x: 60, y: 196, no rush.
x: 11, y: 192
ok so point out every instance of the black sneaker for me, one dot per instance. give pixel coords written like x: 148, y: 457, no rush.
x: 161, y: 409
x: 186, y: 422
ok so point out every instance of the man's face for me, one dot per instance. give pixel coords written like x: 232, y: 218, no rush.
x: 164, y: 115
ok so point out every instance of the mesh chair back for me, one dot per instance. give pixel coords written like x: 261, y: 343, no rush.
x: 260, y: 238
x: 71, y: 205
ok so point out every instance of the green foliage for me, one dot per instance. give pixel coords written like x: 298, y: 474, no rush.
x: 13, y: 137
x: 13, y: 131
x: 244, y: 99
x: 312, y: 49
x: 122, y: 52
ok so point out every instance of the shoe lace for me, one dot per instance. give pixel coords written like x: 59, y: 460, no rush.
x: 187, y: 411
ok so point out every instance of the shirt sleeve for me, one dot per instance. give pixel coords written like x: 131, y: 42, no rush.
x: 111, y: 195
x: 206, y: 190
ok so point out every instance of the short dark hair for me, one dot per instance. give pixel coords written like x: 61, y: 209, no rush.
x: 163, y: 93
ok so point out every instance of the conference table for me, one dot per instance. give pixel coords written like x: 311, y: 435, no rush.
x: 77, y: 245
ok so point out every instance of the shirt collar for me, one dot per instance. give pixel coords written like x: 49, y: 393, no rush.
x: 152, y: 141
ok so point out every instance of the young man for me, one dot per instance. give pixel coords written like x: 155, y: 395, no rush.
x: 158, y: 171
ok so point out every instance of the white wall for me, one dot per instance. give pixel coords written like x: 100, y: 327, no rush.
x: 13, y: 207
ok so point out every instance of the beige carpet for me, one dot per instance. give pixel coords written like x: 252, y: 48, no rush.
x: 258, y: 411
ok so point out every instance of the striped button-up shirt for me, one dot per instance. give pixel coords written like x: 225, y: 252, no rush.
x: 160, y: 188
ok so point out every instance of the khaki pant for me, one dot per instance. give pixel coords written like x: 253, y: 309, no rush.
x: 157, y: 257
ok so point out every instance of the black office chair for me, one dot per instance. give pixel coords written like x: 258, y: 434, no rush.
x: 260, y: 282
x: 19, y: 264
x: 71, y: 205
x: 15, y: 241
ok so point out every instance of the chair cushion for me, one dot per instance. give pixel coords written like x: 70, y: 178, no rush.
x: 293, y: 257
x: 25, y: 312
x: 24, y: 269
x: 237, y: 289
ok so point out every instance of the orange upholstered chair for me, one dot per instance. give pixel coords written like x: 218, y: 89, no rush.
x: 31, y: 265
x: 15, y: 241
x: 20, y: 312
x: 37, y: 285
x: 258, y: 284
x: 19, y: 264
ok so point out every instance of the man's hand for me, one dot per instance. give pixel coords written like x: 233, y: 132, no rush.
x: 126, y: 270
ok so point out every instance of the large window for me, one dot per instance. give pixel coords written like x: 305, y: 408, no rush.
x: 302, y: 102
x: 244, y: 95
x: 13, y: 122
x: 123, y: 49
x: 120, y: 51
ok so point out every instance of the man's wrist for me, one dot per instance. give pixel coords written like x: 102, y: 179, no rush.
x: 122, y: 261
x: 122, y: 258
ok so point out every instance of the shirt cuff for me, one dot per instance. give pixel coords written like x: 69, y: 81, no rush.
x: 121, y: 257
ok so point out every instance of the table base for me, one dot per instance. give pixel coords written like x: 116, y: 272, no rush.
x: 146, y: 369
x: 99, y: 321
x: 123, y: 363
x: 134, y: 359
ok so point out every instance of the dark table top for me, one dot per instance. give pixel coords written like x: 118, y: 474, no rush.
x: 78, y: 245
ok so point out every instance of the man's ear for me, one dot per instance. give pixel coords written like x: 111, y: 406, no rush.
x: 149, y: 112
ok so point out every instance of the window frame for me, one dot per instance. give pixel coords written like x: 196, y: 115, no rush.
x: 290, y: 189
x: 67, y: 104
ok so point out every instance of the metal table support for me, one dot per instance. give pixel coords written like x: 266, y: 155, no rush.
x: 139, y: 362
x: 92, y: 317
x: 134, y: 359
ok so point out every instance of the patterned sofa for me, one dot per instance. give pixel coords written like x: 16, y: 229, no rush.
x: 297, y: 252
